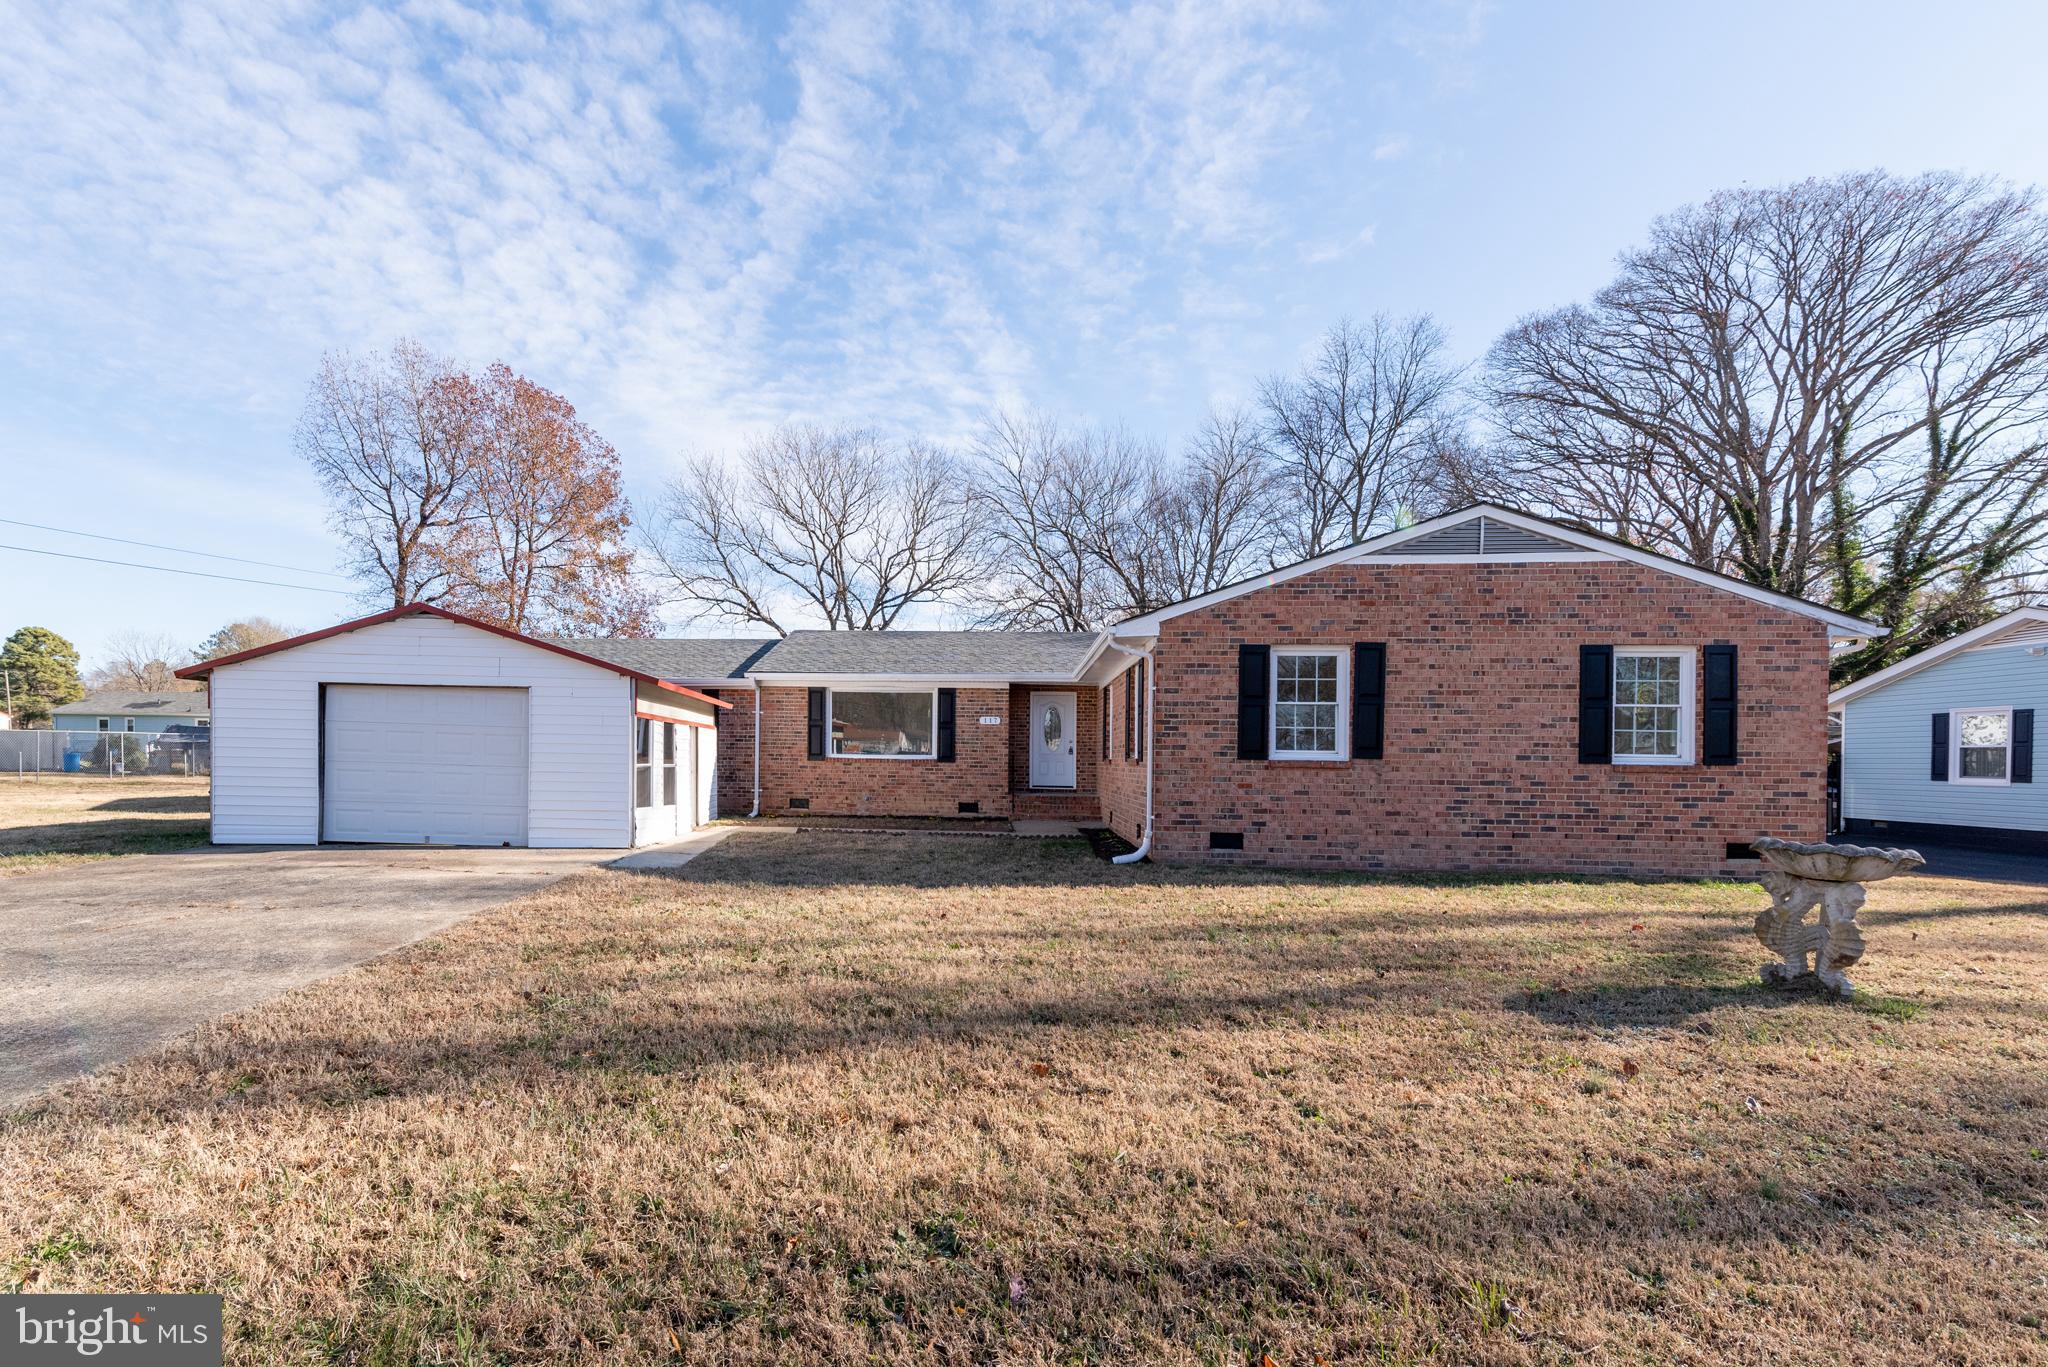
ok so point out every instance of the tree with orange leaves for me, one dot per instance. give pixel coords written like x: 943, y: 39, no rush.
x: 487, y: 495
x: 540, y: 545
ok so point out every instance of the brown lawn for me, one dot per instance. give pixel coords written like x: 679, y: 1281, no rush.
x: 869, y: 1098
x: 50, y: 820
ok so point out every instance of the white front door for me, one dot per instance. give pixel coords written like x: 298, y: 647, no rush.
x: 1051, y: 728
x: 655, y: 789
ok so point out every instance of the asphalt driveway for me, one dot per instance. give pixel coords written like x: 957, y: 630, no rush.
x: 101, y: 961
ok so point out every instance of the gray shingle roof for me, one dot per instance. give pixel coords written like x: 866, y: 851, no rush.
x: 116, y: 702
x: 904, y: 654
x: 701, y: 660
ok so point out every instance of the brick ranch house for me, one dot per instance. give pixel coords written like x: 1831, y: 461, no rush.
x: 1487, y: 690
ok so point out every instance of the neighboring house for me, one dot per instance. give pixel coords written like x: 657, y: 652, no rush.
x: 1940, y: 747
x: 1486, y: 690
x: 117, y: 710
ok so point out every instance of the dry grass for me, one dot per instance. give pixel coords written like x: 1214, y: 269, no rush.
x: 52, y: 820
x: 838, y: 1097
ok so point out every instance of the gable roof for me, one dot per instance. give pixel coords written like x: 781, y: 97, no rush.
x: 2015, y: 623
x: 707, y: 662
x: 1019, y: 656
x: 1503, y: 535
x: 118, y: 702
x: 206, y: 667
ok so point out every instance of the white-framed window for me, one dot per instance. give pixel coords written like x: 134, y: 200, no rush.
x: 104, y: 723
x: 1980, y: 742
x: 1653, y: 707
x: 882, y: 724
x: 1311, y: 704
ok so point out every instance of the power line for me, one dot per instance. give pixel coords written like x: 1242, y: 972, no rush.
x: 178, y: 550
x: 169, y: 569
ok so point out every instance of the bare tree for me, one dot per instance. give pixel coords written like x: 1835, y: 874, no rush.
x: 1349, y: 434
x: 1787, y: 383
x: 392, y: 451
x: 141, y: 662
x: 832, y: 524
x: 1034, y: 483
x: 1214, y: 515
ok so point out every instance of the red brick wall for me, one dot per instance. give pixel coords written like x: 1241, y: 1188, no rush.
x: 1123, y: 779
x: 735, y: 771
x: 1481, y: 769
x: 980, y: 771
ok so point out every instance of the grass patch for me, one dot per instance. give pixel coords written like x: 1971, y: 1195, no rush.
x: 50, y: 821
x: 858, y: 1098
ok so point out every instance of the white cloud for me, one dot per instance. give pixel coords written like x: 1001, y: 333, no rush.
x: 693, y: 223
x: 1391, y: 147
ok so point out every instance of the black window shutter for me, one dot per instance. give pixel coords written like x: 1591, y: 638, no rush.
x: 1254, y: 687
x: 1937, y: 759
x: 943, y: 743
x: 1596, y: 704
x: 1368, y: 700
x: 1719, y: 711
x: 815, y: 731
x: 2023, y: 745
x: 1138, y: 746
x: 1130, y: 710
x: 1104, y: 708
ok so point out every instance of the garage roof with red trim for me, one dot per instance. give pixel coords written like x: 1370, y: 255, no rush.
x: 206, y: 667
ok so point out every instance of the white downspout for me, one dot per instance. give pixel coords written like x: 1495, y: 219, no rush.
x: 1145, y: 836
x: 757, y: 749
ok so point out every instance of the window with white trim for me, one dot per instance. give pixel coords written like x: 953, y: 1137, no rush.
x: 1653, y: 707
x: 1982, y: 737
x: 882, y: 725
x: 1310, y: 707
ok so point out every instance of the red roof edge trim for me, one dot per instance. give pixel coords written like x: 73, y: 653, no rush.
x: 206, y: 667
x: 692, y: 693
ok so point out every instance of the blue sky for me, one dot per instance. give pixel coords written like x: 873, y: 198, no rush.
x: 697, y: 222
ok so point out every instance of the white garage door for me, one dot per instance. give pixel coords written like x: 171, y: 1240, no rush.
x: 424, y: 766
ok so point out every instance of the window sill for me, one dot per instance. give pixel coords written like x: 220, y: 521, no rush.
x: 1314, y: 761
x: 1983, y: 782
x: 896, y: 757
x: 1639, y: 762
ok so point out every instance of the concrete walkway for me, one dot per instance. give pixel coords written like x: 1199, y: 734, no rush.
x: 675, y: 854
x: 101, y: 961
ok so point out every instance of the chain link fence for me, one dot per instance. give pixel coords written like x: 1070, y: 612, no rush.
x: 186, y: 750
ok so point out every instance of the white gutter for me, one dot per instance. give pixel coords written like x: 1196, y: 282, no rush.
x: 1145, y: 836
x: 757, y: 750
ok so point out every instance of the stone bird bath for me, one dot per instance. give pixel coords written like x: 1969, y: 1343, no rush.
x: 1830, y: 877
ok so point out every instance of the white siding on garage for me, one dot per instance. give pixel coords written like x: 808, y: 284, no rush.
x: 266, y: 729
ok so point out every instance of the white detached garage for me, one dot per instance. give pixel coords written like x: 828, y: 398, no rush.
x: 421, y: 727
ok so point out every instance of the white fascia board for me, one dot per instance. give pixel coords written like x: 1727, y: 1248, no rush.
x: 1891, y: 674
x: 1373, y: 549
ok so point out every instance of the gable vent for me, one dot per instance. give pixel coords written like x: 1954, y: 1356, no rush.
x: 2033, y: 634
x: 1479, y: 536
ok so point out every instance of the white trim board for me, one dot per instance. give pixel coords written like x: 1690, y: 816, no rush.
x: 1373, y: 550
x: 1935, y: 654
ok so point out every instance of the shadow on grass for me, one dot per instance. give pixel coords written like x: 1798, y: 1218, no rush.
x: 194, y: 804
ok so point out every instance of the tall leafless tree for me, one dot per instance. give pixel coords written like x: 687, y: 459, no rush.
x: 1786, y: 381
x: 1033, y: 483
x: 1214, y: 514
x: 1349, y: 435
x: 832, y: 524
x: 391, y: 450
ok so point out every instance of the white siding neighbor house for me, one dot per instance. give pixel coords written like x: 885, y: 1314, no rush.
x: 1940, y: 747
x: 421, y: 727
